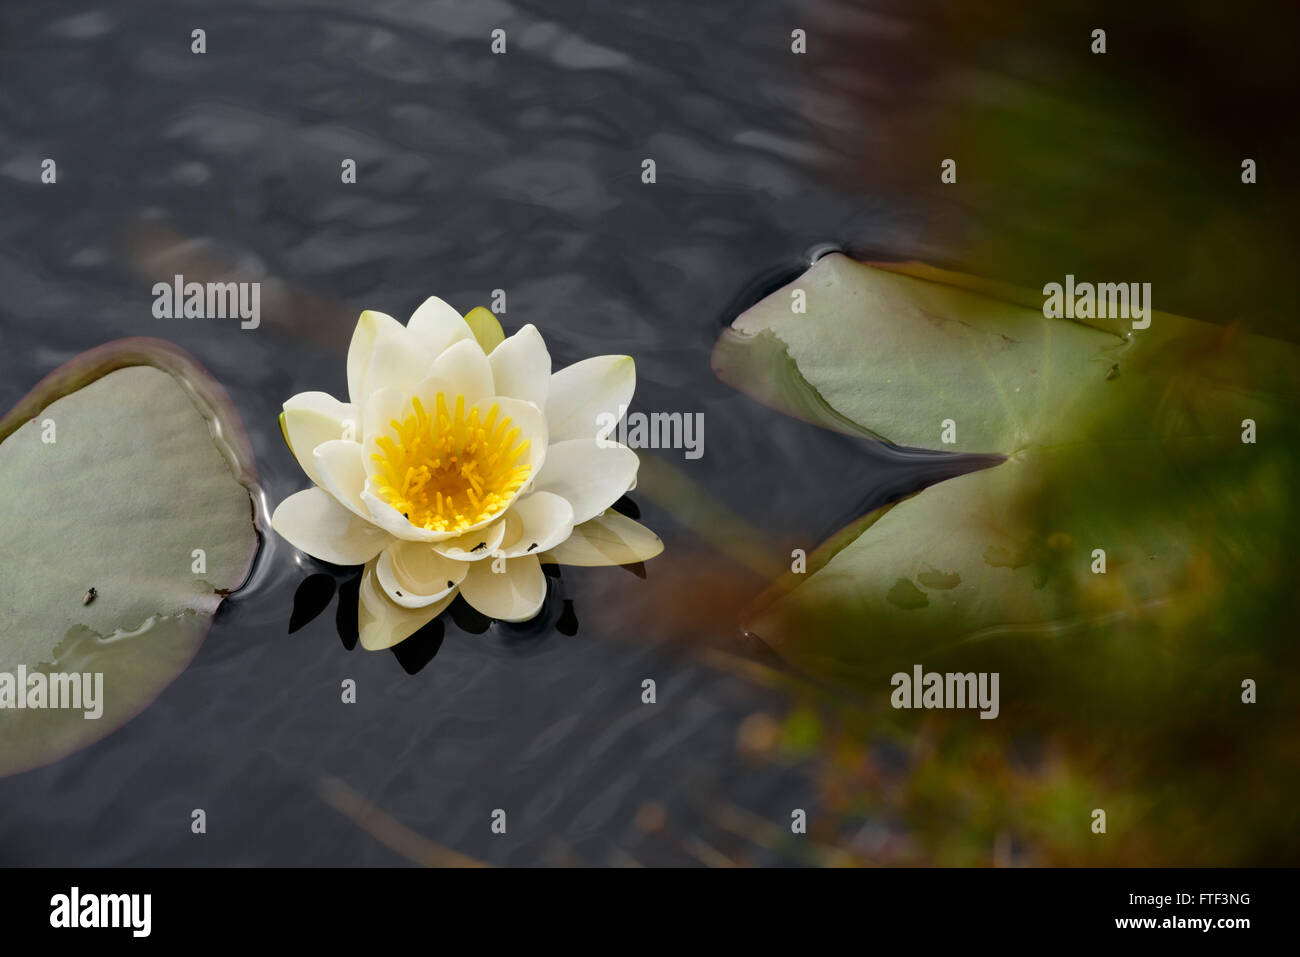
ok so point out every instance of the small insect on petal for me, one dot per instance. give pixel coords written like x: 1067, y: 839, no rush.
x: 89, y: 596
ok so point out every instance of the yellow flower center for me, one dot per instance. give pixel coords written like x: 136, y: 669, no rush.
x: 448, y: 471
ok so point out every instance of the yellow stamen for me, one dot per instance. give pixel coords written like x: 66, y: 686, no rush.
x: 448, y: 471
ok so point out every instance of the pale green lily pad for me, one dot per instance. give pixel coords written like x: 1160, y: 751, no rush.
x: 146, y: 495
x: 895, y: 356
x: 1147, y: 464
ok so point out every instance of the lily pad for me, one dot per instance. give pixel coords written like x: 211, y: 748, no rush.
x: 128, y: 472
x: 1148, y: 466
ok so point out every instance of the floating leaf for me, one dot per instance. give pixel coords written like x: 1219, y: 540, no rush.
x: 1124, y: 568
x: 126, y: 471
x: 1148, y: 466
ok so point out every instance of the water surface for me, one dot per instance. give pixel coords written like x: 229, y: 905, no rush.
x: 475, y: 172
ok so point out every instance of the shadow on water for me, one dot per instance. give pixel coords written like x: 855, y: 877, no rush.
x: 310, y: 599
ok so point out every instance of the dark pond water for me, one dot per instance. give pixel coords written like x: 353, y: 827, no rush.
x: 475, y: 172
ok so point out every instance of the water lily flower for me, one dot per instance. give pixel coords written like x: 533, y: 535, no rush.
x: 459, y: 465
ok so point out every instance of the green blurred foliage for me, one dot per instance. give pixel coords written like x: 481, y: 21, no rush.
x: 1117, y: 166
x: 1120, y: 691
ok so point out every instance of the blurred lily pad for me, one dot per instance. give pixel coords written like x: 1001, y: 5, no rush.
x: 1127, y: 567
x: 128, y: 472
x: 1147, y: 466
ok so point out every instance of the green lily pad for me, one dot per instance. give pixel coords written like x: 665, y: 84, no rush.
x: 1147, y: 466
x: 125, y: 471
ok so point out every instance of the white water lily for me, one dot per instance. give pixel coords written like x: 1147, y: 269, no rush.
x: 460, y: 465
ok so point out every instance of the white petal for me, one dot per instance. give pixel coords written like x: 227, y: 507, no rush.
x: 437, y: 325
x: 515, y: 594
x: 342, y: 472
x: 398, y: 360
x: 531, y: 423
x: 361, y: 348
x: 383, y: 406
x: 536, y: 523
x: 474, y: 546
x: 382, y: 624
x: 521, y: 367
x: 393, y: 521
x: 413, y: 575
x: 609, y: 539
x: 313, y: 522
x: 583, y: 393
x: 590, y: 477
x: 426, y: 390
x: 464, y: 370
x: 312, y: 418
